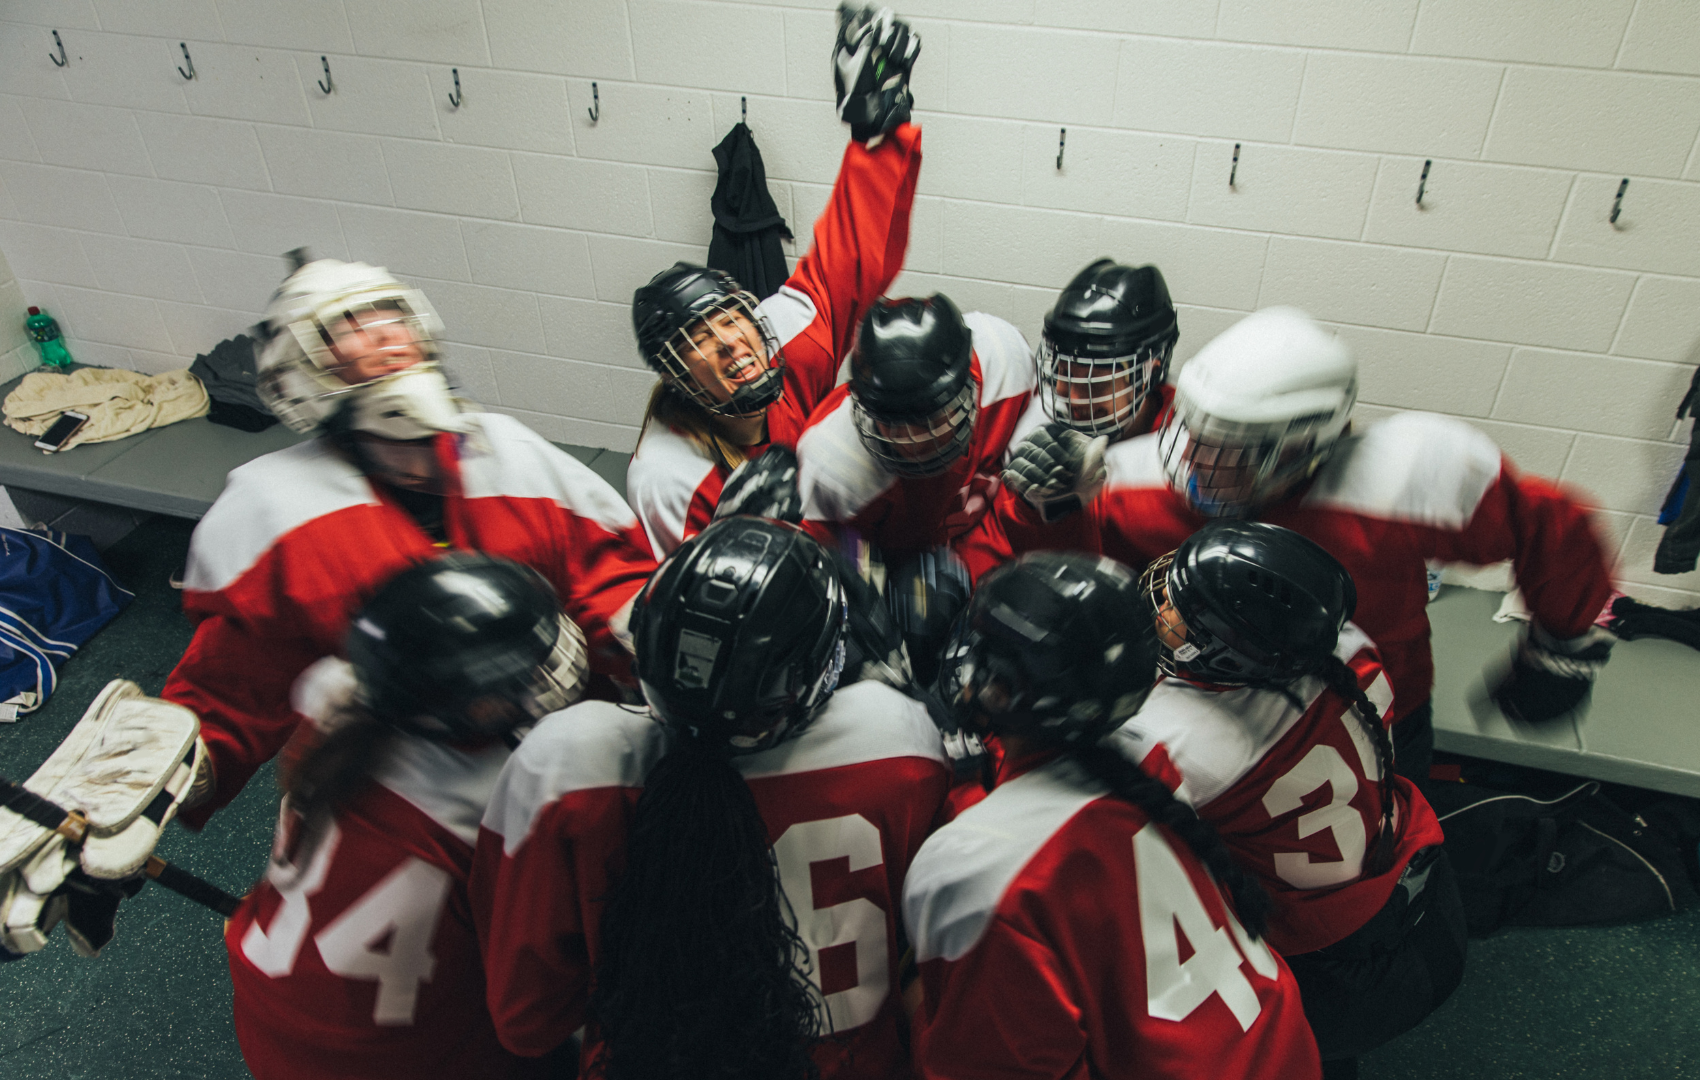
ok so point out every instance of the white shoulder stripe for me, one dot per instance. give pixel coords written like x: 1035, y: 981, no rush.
x: 866, y: 721
x: 264, y: 499
x: 960, y: 875
x: 661, y: 481
x: 594, y: 744
x: 514, y: 461
x: 1006, y: 363
x: 789, y: 311
x: 1416, y: 467
x: 1134, y: 464
x: 448, y: 786
x: 836, y: 476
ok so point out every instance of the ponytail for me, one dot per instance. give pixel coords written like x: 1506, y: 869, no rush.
x: 668, y: 406
x: 1130, y: 783
x: 701, y: 973
x: 1344, y: 681
x: 322, y: 770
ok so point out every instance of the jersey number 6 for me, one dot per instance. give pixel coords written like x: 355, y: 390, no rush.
x: 857, y: 923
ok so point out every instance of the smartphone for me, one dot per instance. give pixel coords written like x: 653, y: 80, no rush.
x: 68, y: 424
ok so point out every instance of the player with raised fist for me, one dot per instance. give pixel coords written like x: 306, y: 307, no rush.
x: 1273, y: 699
x: 740, y: 374
x: 355, y: 957
x: 1080, y: 920
x: 712, y: 884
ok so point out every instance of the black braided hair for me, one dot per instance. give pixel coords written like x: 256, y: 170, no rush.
x: 701, y: 972
x: 1344, y: 681
x: 1129, y: 782
x: 321, y: 773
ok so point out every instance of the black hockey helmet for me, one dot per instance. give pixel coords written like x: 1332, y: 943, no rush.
x: 465, y: 646
x: 1261, y: 604
x: 912, y: 383
x: 740, y: 633
x: 1106, y: 345
x: 1054, y: 645
x: 684, y: 300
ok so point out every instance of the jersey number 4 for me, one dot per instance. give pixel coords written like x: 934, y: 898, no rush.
x: 1170, y: 908
x: 857, y: 925
x: 400, y: 913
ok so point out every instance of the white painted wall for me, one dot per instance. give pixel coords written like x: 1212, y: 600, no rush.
x: 148, y: 212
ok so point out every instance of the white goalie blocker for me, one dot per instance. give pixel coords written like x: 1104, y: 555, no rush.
x: 126, y: 768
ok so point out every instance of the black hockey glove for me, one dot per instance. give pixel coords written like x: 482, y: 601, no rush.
x: 1057, y: 469
x: 764, y: 488
x: 870, y: 70
x: 1551, y: 678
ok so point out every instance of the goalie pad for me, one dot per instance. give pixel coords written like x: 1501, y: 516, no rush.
x: 124, y: 766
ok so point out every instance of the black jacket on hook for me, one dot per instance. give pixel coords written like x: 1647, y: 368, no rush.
x: 747, y: 225
x: 1679, y: 549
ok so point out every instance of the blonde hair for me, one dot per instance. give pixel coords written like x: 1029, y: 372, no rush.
x: 685, y: 416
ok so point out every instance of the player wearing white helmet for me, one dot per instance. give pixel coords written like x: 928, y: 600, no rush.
x: 398, y: 469
x: 1260, y: 428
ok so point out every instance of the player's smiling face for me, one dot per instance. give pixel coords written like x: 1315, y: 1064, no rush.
x: 373, y: 342
x: 726, y: 353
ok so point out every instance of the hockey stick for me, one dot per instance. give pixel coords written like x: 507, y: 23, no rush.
x: 74, y: 827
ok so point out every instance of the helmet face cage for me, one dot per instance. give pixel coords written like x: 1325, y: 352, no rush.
x: 683, y: 351
x: 1227, y: 469
x: 1155, y: 582
x: 1098, y: 395
x: 924, y: 445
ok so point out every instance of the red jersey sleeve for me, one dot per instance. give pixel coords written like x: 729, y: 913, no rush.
x: 859, y: 245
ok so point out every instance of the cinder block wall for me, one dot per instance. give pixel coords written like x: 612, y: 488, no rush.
x: 148, y: 211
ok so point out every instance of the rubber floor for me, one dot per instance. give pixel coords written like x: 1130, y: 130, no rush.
x: 1596, y: 1003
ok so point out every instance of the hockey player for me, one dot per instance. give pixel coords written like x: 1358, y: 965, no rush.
x: 1260, y: 429
x: 907, y: 455
x: 1273, y: 696
x: 355, y: 957
x: 636, y: 853
x: 300, y: 538
x: 1074, y: 922
x: 739, y: 376
x: 1103, y: 367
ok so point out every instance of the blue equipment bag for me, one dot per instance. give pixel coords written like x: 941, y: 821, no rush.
x: 54, y: 594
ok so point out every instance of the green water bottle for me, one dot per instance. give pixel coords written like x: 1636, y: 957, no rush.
x: 44, y: 331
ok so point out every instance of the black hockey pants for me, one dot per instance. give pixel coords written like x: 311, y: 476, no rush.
x: 1382, y: 980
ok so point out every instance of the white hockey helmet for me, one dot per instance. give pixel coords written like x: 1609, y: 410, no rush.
x: 300, y: 373
x: 1256, y: 411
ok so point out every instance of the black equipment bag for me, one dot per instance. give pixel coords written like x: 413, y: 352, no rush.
x: 1569, y: 859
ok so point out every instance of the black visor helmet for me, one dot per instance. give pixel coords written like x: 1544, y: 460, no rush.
x: 740, y: 634
x: 693, y: 316
x: 465, y: 646
x: 1056, y: 646
x: 1106, y: 345
x: 912, y: 384
x: 1261, y: 605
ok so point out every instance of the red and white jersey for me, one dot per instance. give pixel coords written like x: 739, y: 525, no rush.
x: 1062, y: 933
x: 847, y: 804
x: 300, y: 539
x: 365, y: 964
x: 843, y: 485
x: 860, y: 241
x: 1295, y: 793
x: 1413, y: 487
x: 1012, y: 525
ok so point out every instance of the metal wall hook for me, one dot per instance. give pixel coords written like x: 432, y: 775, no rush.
x: 1234, y: 171
x: 455, y: 98
x: 595, y: 109
x: 744, y: 110
x: 1062, y: 137
x: 326, y: 86
x: 190, y: 74
x: 61, y: 60
x: 1617, y: 204
x: 1422, y: 184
